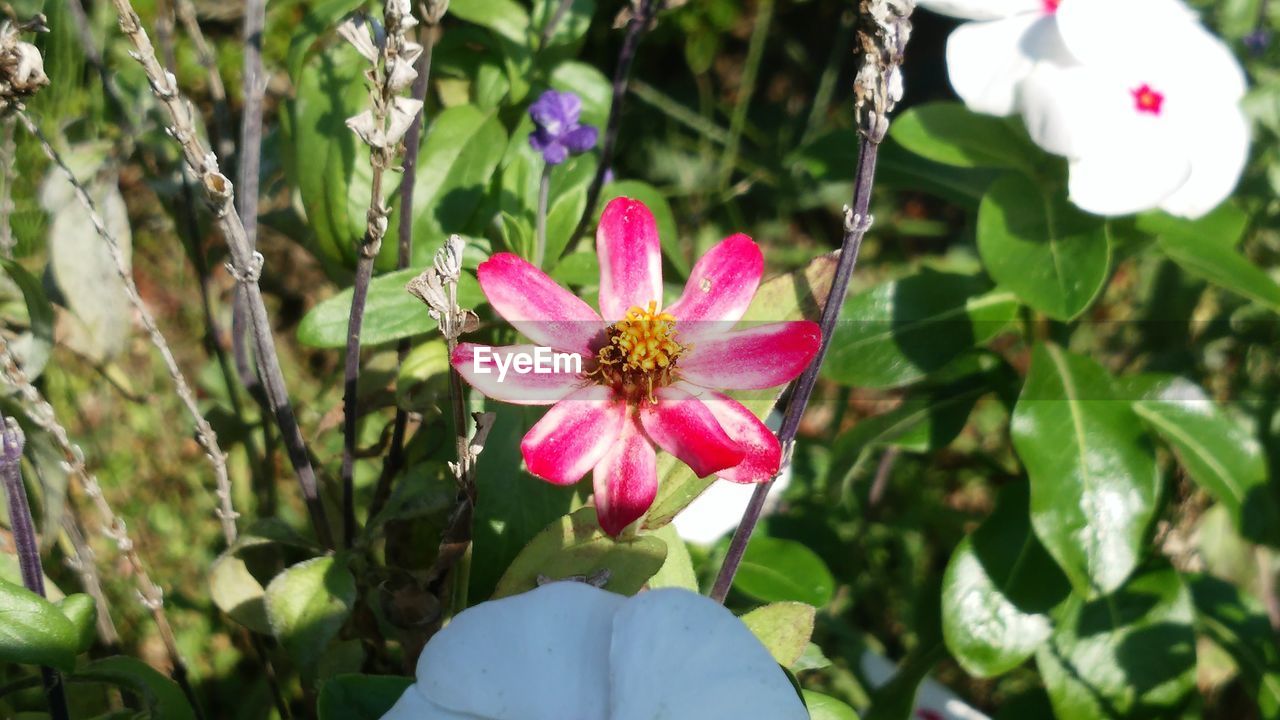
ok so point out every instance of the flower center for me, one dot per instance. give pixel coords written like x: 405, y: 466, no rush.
x: 1051, y: 6
x: 1147, y: 100
x: 640, y: 352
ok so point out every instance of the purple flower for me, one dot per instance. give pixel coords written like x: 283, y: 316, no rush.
x: 558, y: 132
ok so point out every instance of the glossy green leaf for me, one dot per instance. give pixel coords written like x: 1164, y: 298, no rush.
x: 1094, y: 480
x: 238, y: 593
x: 1206, y: 248
x: 390, y: 314
x: 1130, y: 654
x: 81, y: 610
x: 661, y: 209
x: 34, y: 631
x: 1237, y: 623
x: 677, y: 570
x: 825, y: 707
x: 160, y: 697
x: 307, y: 605
x: 423, y: 380
x: 1054, y: 257
x: 788, y: 297
x: 507, y: 18
x: 575, y: 546
x: 784, y: 628
x: 775, y: 570
x: 360, y: 697
x: 998, y: 590
x: 901, y: 331
x: 951, y: 134
x: 574, y: 20
x: 1220, y: 454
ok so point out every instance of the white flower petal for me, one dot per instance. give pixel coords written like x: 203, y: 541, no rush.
x: 1218, y: 156
x: 677, y: 654
x: 1059, y: 110
x: 987, y: 61
x: 719, y: 508
x: 413, y: 705
x: 983, y: 9
x: 1126, y: 180
x: 1123, y: 31
x: 542, y: 655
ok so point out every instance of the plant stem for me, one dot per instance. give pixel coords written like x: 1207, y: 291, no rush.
x: 544, y: 191
x: 245, y: 265
x: 746, y: 88
x: 255, y: 84
x: 351, y: 385
x: 882, y: 42
x: 636, y: 28
x: 404, y: 255
x: 24, y: 538
x: 549, y: 29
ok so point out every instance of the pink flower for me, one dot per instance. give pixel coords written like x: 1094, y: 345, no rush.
x: 644, y: 375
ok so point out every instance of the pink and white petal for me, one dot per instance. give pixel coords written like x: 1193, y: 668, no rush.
x: 1218, y: 157
x: 574, y: 435
x: 720, y: 288
x: 987, y: 61
x: 983, y: 9
x: 540, y: 655
x: 683, y: 426
x: 760, y: 357
x: 630, y: 258
x: 677, y: 654
x: 479, y: 366
x: 762, y: 454
x: 1114, y: 34
x: 626, y: 480
x: 540, y: 309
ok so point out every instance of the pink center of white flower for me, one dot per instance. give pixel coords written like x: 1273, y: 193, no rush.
x: 639, y: 353
x: 1147, y: 100
x: 1051, y: 6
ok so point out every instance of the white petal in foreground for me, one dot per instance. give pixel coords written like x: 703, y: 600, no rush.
x: 1126, y: 181
x: 987, y: 61
x: 537, y: 656
x: 1218, y: 156
x: 719, y: 509
x: 677, y: 654
x: 1111, y: 32
x: 983, y: 9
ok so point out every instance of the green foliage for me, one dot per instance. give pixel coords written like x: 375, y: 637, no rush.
x: 784, y: 628
x: 160, y: 697
x: 775, y: 570
x: 35, y: 631
x: 307, y: 605
x: 359, y: 697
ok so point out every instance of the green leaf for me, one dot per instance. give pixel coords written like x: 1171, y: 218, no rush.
x: 32, y: 348
x: 677, y: 570
x: 1220, y: 454
x: 998, y: 590
x: 1094, y: 480
x: 573, y: 21
x: 784, y: 628
x: 34, y: 631
x: 589, y: 84
x: 775, y: 570
x: 575, y: 546
x: 307, y: 605
x: 1131, y: 654
x: 788, y: 297
x: 901, y: 331
x: 238, y: 593
x: 949, y: 133
x: 460, y: 153
x: 1054, y: 257
x: 1239, y: 625
x: 391, y: 313
x: 423, y: 380
x: 1206, y: 248
x: 661, y: 209
x: 512, y: 506
x: 161, y: 697
x: 360, y: 697
x: 506, y: 18
x: 825, y: 707
x: 83, y: 614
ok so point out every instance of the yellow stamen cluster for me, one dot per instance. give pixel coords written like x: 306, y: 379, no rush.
x: 641, y: 351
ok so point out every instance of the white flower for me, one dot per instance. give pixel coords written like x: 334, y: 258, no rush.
x: 1149, y: 113
x: 719, y: 508
x: 569, y: 651
x: 1142, y: 100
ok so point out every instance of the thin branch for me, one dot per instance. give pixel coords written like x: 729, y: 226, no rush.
x: 549, y: 30
x: 84, y: 562
x: 883, y: 29
x: 245, y: 265
x: 113, y: 527
x: 404, y: 248
x: 249, y: 167
x: 8, y: 149
x: 186, y: 12
x: 204, y: 431
x: 641, y: 19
